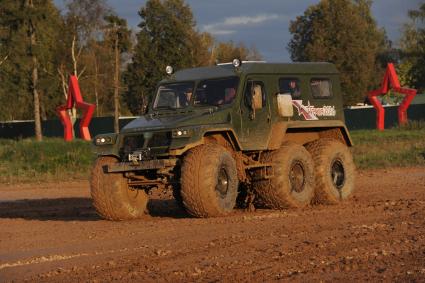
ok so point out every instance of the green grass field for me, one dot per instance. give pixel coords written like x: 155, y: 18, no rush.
x: 391, y: 148
x: 54, y: 159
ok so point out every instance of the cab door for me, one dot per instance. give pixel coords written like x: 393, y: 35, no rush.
x: 255, y: 113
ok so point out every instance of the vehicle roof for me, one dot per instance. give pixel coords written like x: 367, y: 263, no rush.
x: 226, y: 70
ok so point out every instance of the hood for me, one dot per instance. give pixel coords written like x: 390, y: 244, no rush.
x: 175, y: 120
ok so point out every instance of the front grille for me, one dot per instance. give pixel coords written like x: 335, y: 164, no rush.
x: 141, y: 141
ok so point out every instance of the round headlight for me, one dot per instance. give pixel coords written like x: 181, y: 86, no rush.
x: 179, y: 133
x: 236, y: 63
x: 169, y: 70
x: 102, y: 140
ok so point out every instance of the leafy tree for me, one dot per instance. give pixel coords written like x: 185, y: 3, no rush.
x: 84, y: 20
x: 165, y: 38
x: 342, y: 32
x: 92, y: 48
x: 202, y: 49
x: 28, y: 31
x: 88, y: 51
x: 15, y: 68
x: 81, y: 49
x: 227, y: 51
x: 413, y: 49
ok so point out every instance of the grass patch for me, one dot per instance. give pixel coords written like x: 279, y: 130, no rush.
x: 54, y: 159
x: 398, y: 147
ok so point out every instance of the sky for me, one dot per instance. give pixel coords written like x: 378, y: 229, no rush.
x: 264, y: 24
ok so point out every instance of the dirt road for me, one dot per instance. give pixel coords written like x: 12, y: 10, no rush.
x: 51, y: 233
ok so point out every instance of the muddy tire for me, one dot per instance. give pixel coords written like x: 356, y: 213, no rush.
x: 209, y: 182
x: 334, y: 170
x: 112, y: 197
x: 292, y: 184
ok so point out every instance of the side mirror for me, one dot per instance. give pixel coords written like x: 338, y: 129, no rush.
x: 284, y: 105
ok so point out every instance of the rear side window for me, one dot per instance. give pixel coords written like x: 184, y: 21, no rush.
x: 290, y: 86
x: 321, y: 88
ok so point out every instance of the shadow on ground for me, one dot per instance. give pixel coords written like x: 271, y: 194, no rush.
x: 60, y: 209
x: 76, y: 209
x: 166, y: 208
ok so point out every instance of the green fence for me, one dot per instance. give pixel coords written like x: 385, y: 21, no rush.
x: 365, y: 118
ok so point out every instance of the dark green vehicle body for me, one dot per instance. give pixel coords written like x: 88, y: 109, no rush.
x: 154, y: 137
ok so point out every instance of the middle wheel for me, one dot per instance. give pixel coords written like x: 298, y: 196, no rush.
x: 209, y: 182
x: 292, y: 181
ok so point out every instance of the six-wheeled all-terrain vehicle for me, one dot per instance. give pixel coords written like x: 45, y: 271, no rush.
x: 272, y: 135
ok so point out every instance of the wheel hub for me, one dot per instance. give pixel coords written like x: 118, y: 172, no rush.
x: 222, y: 182
x: 297, y: 177
x: 338, y: 174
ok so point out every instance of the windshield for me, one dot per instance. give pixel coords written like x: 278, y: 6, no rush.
x: 216, y: 92
x: 174, y: 96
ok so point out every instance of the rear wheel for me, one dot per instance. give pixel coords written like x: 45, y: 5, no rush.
x: 209, y: 182
x: 335, y: 171
x: 292, y: 181
x: 112, y: 197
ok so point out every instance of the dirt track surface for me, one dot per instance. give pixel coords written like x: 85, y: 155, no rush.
x: 51, y: 233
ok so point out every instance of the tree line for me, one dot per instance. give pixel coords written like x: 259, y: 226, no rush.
x: 118, y: 68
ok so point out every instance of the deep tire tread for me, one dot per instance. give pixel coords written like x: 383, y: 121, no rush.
x: 198, y: 177
x: 321, y: 150
x: 109, y: 199
x: 274, y: 193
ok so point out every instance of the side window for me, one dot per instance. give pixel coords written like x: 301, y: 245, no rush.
x: 255, y: 94
x: 321, y: 88
x: 290, y: 86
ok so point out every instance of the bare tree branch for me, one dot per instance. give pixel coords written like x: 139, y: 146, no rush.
x: 82, y: 72
x: 74, y: 59
x: 64, y: 82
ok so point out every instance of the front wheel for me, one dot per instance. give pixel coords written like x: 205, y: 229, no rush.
x: 209, y: 182
x: 112, y: 197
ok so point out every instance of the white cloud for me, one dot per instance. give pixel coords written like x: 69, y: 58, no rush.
x: 234, y: 21
x: 220, y: 31
x: 228, y: 24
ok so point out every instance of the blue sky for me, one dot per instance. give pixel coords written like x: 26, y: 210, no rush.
x: 264, y: 24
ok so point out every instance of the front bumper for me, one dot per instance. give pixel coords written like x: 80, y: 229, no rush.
x: 139, y: 166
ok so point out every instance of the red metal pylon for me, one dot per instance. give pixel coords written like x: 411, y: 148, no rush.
x: 75, y: 98
x: 391, y: 81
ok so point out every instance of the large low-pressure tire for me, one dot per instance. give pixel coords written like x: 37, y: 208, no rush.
x: 334, y: 170
x: 209, y: 182
x: 292, y: 181
x: 112, y: 197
